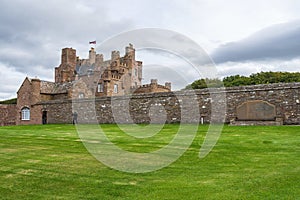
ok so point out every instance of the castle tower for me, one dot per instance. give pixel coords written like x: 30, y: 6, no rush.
x: 115, y: 55
x: 92, y: 56
x: 130, y: 51
x: 168, y: 85
x: 68, y: 56
x: 67, y: 69
x: 99, y: 58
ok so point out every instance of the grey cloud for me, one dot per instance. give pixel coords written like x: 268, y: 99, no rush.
x: 279, y: 41
x: 33, y: 32
x: 165, y: 74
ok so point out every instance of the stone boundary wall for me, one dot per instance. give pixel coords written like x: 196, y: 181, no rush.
x: 285, y: 97
x: 8, y: 114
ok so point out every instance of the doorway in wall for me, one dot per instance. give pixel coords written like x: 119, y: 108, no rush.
x: 44, y: 117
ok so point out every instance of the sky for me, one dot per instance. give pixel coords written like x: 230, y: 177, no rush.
x: 241, y: 37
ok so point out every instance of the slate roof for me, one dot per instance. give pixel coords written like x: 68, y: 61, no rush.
x: 54, y: 88
x: 84, y: 69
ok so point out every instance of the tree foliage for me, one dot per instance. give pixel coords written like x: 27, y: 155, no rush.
x: 253, y: 79
x: 9, y: 101
x: 205, y: 83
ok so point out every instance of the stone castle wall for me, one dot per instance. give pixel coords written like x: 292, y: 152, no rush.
x: 7, y: 114
x: 285, y: 98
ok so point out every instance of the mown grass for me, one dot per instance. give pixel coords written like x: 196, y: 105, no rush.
x: 50, y: 162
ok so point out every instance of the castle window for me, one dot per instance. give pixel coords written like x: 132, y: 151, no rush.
x: 25, y: 113
x: 100, y: 87
x: 81, y: 95
x: 115, y: 88
x: 90, y: 72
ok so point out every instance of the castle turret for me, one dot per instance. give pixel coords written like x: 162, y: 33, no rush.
x: 99, y: 58
x: 153, y: 83
x: 92, y: 56
x: 115, y: 55
x: 168, y: 85
x: 67, y: 69
x: 130, y: 51
x: 68, y: 56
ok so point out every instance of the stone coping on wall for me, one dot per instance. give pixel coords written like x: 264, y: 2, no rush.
x: 264, y: 87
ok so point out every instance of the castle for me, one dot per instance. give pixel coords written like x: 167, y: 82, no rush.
x: 94, y: 83
x: 77, y: 78
x: 115, y: 77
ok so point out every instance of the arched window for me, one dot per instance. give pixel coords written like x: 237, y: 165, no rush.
x: 100, y: 87
x: 115, y: 88
x: 25, y: 113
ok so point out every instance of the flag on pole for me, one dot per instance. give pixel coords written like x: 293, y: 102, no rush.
x: 93, y: 42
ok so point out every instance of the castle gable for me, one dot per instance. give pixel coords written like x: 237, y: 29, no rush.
x: 25, y: 85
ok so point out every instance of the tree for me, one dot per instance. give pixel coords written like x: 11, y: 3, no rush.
x: 253, y: 79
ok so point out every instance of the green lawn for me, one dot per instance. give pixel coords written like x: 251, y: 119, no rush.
x: 50, y: 162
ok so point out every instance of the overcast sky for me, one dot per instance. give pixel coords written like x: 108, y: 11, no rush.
x: 242, y: 37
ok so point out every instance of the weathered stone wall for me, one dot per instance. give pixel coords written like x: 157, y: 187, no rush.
x: 58, y: 111
x: 7, y: 114
x: 65, y: 71
x: 285, y: 97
